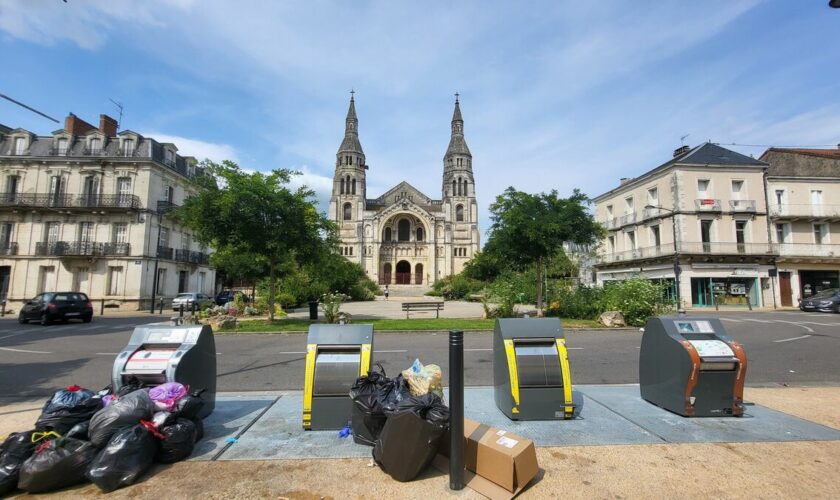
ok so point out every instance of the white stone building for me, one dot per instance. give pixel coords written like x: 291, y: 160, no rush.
x: 81, y: 210
x: 405, y: 237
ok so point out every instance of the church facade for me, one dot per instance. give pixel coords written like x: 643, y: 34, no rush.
x: 405, y: 237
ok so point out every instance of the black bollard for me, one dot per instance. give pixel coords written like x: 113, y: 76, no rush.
x: 456, y: 409
x: 181, y: 310
x: 193, y: 308
x: 161, y: 306
x: 102, y: 307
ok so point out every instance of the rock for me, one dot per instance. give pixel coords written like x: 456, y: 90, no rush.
x: 219, y: 322
x: 612, y: 319
x: 344, y: 318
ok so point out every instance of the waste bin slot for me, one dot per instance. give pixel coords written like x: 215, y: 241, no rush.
x: 156, y: 354
x: 335, y: 371
x: 531, y: 376
x: 336, y: 355
x: 690, y: 366
x: 538, y: 363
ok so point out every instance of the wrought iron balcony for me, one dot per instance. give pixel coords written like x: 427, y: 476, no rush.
x: 8, y: 248
x: 164, y: 207
x: 742, y: 205
x: 65, y: 201
x: 165, y: 252
x: 707, y: 205
x: 694, y: 247
x: 638, y: 253
x: 192, y: 257
x: 81, y: 248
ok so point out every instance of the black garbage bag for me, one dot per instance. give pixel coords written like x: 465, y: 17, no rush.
x: 392, y: 392
x: 370, y: 383
x: 190, y: 405
x: 79, y: 431
x: 56, y: 464
x: 178, y: 441
x: 13, y: 452
x: 409, y: 440
x: 131, y: 384
x: 67, y: 408
x: 367, y: 419
x: 199, y: 428
x: 124, y: 412
x: 129, y: 453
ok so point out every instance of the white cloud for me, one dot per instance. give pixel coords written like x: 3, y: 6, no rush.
x: 320, y: 184
x: 195, y: 147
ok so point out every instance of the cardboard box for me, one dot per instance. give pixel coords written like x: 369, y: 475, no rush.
x: 503, y: 462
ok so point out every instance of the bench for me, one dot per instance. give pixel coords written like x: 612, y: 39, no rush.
x: 422, y: 306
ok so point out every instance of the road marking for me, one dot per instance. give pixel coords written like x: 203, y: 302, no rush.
x: 399, y: 350
x: 821, y: 324
x: 732, y: 320
x: 794, y: 338
x: 479, y: 349
x: 13, y: 335
x: 757, y: 320
x: 291, y: 352
x: 574, y: 348
x: 23, y: 350
x: 106, y: 353
x: 807, y: 328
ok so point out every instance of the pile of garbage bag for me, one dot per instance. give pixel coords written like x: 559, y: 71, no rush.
x: 403, y: 418
x: 109, y: 438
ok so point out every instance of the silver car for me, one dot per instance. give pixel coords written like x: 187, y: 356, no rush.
x: 188, y: 299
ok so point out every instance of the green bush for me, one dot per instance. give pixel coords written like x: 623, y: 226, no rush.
x: 360, y: 292
x: 637, y: 298
x: 577, y: 302
x: 457, y: 287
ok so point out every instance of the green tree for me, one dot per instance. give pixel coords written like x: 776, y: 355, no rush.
x: 257, y: 214
x: 236, y: 264
x: 529, y: 229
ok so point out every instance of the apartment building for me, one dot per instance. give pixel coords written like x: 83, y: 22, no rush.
x: 803, y: 188
x: 696, y: 223
x: 83, y: 209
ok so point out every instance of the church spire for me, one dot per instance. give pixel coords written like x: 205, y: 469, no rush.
x: 351, y: 143
x: 457, y: 144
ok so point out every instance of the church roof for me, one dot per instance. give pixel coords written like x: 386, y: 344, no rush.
x: 457, y: 143
x: 351, y: 143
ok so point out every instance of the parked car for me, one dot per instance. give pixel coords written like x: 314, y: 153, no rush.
x: 226, y: 296
x: 827, y: 300
x: 57, y: 306
x: 188, y: 299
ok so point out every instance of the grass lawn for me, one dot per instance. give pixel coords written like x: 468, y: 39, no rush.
x: 421, y: 324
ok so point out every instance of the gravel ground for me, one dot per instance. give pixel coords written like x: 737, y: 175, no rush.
x: 729, y: 470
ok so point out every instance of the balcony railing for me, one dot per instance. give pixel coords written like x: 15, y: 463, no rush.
x: 164, y: 207
x: 9, y: 248
x: 742, y: 205
x: 653, y: 212
x: 48, y: 200
x: 805, y: 211
x: 707, y: 205
x: 690, y: 248
x: 627, y: 219
x: 611, y: 223
x: 165, y: 252
x: 81, y: 248
x: 191, y: 256
x: 808, y: 250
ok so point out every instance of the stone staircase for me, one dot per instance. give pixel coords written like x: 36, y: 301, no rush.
x: 408, y: 290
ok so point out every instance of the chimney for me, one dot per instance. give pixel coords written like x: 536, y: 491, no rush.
x: 681, y: 151
x: 107, y: 125
x: 76, y: 125
x: 624, y: 180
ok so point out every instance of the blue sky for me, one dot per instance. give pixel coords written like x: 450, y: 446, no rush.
x: 555, y: 94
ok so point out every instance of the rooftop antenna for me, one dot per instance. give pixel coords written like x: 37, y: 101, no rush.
x: 682, y: 139
x: 119, y: 106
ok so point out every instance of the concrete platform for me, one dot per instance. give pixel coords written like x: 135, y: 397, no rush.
x: 268, y: 426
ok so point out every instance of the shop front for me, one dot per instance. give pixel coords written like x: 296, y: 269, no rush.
x: 725, y: 291
x: 812, y: 282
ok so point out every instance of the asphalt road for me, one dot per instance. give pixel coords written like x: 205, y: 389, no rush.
x: 782, y: 347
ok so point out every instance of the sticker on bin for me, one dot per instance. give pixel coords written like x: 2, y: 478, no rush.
x: 501, y: 433
x: 507, y: 442
x: 712, y: 348
x: 149, y: 360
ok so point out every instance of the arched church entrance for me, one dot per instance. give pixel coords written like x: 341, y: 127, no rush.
x: 386, y: 274
x: 403, y: 273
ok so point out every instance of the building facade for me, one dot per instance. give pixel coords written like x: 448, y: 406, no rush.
x: 697, y: 222
x: 405, y: 237
x: 803, y: 189
x: 83, y: 210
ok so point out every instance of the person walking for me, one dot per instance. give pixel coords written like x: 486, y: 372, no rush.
x: 386, y: 292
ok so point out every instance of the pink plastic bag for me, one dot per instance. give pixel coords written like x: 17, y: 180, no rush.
x: 166, y: 395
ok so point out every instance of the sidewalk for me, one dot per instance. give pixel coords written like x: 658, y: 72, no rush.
x: 697, y: 470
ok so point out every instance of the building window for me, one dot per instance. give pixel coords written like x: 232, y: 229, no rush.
x: 706, y: 234
x: 350, y: 250
x: 7, y: 231
x: 403, y: 230
x: 703, y: 188
x: 202, y: 279
x: 115, y: 279
x: 387, y: 234
x: 128, y: 147
x: 740, y: 235
x: 62, y: 146
x: 611, y: 244
x: 120, y: 233
x: 12, y: 186
x: 161, y: 284
x: 51, y: 231
x: 631, y: 240
x: 737, y: 189
x: 95, y: 146
x: 609, y: 211
x: 820, y: 234
x: 780, y: 197
x: 20, y: 145
x: 629, y: 206
x: 459, y: 213
x: 782, y: 232
x: 653, y: 196
x: 342, y: 186
x: 654, y: 236
x: 353, y: 186
x: 85, y: 232
x: 169, y: 157
x: 419, y: 234
x: 124, y: 191
x: 454, y: 185
x: 164, y: 237
x: 348, y: 211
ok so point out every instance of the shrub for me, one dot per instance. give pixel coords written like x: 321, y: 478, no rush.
x: 637, y: 298
x: 577, y: 302
x: 331, y: 305
x: 457, y: 287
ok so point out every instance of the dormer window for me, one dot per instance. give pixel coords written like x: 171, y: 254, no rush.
x: 20, y: 145
x: 95, y: 146
x: 61, y: 146
x: 169, y: 157
x: 128, y: 147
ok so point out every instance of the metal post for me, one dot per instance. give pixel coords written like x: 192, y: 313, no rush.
x: 161, y: 305
x: 157, y: 260
x: 193, y: 308
x: 102, y: 307
x: 676, y: 259
x: 456, y: 409
x: 181, y: 310
x: 3, y: 309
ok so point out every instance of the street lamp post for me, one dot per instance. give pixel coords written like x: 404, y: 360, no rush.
x: 676, y: 251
